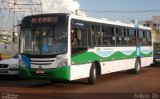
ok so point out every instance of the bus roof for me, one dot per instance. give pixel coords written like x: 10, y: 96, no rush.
x: 46, y: 14
x: 103, y: 21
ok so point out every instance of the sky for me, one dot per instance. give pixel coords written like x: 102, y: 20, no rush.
x: 121, y: 5
x: 69, y: 6
x: 56, y: 6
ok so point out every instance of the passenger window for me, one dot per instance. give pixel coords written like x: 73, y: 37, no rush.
x: 107, y: 36
x: 149, y: 41
x: 118, y: 36
x: 96, y: 35
x: 125, y: 39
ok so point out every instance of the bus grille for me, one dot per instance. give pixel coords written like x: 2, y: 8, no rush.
x: 42, y: 61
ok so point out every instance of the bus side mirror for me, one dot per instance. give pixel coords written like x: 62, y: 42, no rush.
x: 18, y: 25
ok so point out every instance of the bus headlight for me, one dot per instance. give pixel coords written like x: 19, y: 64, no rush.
x: 62, y: 63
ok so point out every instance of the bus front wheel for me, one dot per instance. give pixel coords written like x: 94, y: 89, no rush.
x: 93, y: 74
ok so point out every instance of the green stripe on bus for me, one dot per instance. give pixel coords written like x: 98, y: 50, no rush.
x: 147, y: 55
x: 88, y: 57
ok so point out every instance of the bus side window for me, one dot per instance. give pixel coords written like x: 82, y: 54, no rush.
x: 89, y: 37
x: 82, y: 36
x: 149, y: 41
x: 74, y: 37
x: 78, y: 39
x: 141, y: 37
x: 144, y: 38
x: 131, y: 36
x: 96, y: 35
x: 118, y: 35
x: 106, y: 36
x: 135, y: 37
x: 113, y: 36
x: 126, y: 38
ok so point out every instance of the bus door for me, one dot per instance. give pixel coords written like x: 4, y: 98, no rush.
x: 78, y: 39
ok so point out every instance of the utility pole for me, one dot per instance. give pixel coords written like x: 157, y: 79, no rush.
x: 76, y: 12
x: 14, y: 5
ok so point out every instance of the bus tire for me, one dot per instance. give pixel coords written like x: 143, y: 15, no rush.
x: 137, y: 67
x: 92, y: 75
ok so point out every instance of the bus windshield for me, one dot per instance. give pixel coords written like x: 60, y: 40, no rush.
x: 44, y: 40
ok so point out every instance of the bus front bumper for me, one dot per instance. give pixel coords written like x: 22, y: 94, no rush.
x: 62, y: 73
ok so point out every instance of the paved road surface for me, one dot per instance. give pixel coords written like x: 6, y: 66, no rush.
x: 145, y: 85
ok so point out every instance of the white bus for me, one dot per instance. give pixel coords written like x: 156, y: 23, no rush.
x: 71, y: 47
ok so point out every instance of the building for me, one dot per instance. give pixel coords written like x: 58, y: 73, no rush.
x: 154, y: 23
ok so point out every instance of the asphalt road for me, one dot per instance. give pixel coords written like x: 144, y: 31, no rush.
x: 120, y: 85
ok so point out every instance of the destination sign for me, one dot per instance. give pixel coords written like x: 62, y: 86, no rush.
x: 44, y: 19
x: 51, y: 19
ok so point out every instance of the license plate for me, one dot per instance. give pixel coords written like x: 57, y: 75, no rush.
x: 40, y: 72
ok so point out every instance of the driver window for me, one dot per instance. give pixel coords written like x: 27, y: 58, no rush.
x: 36, y: 39
x: 75, y: 33
x: 44, y: 40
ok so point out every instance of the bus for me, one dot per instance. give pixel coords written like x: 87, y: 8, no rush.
x: 62, y: 46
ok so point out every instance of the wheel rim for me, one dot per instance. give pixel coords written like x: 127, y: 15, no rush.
x: 138, y: 66
x: 94, y: 72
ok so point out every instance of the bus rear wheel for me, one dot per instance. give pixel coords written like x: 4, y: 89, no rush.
x: 93, y: 74
x: 137, y: 67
